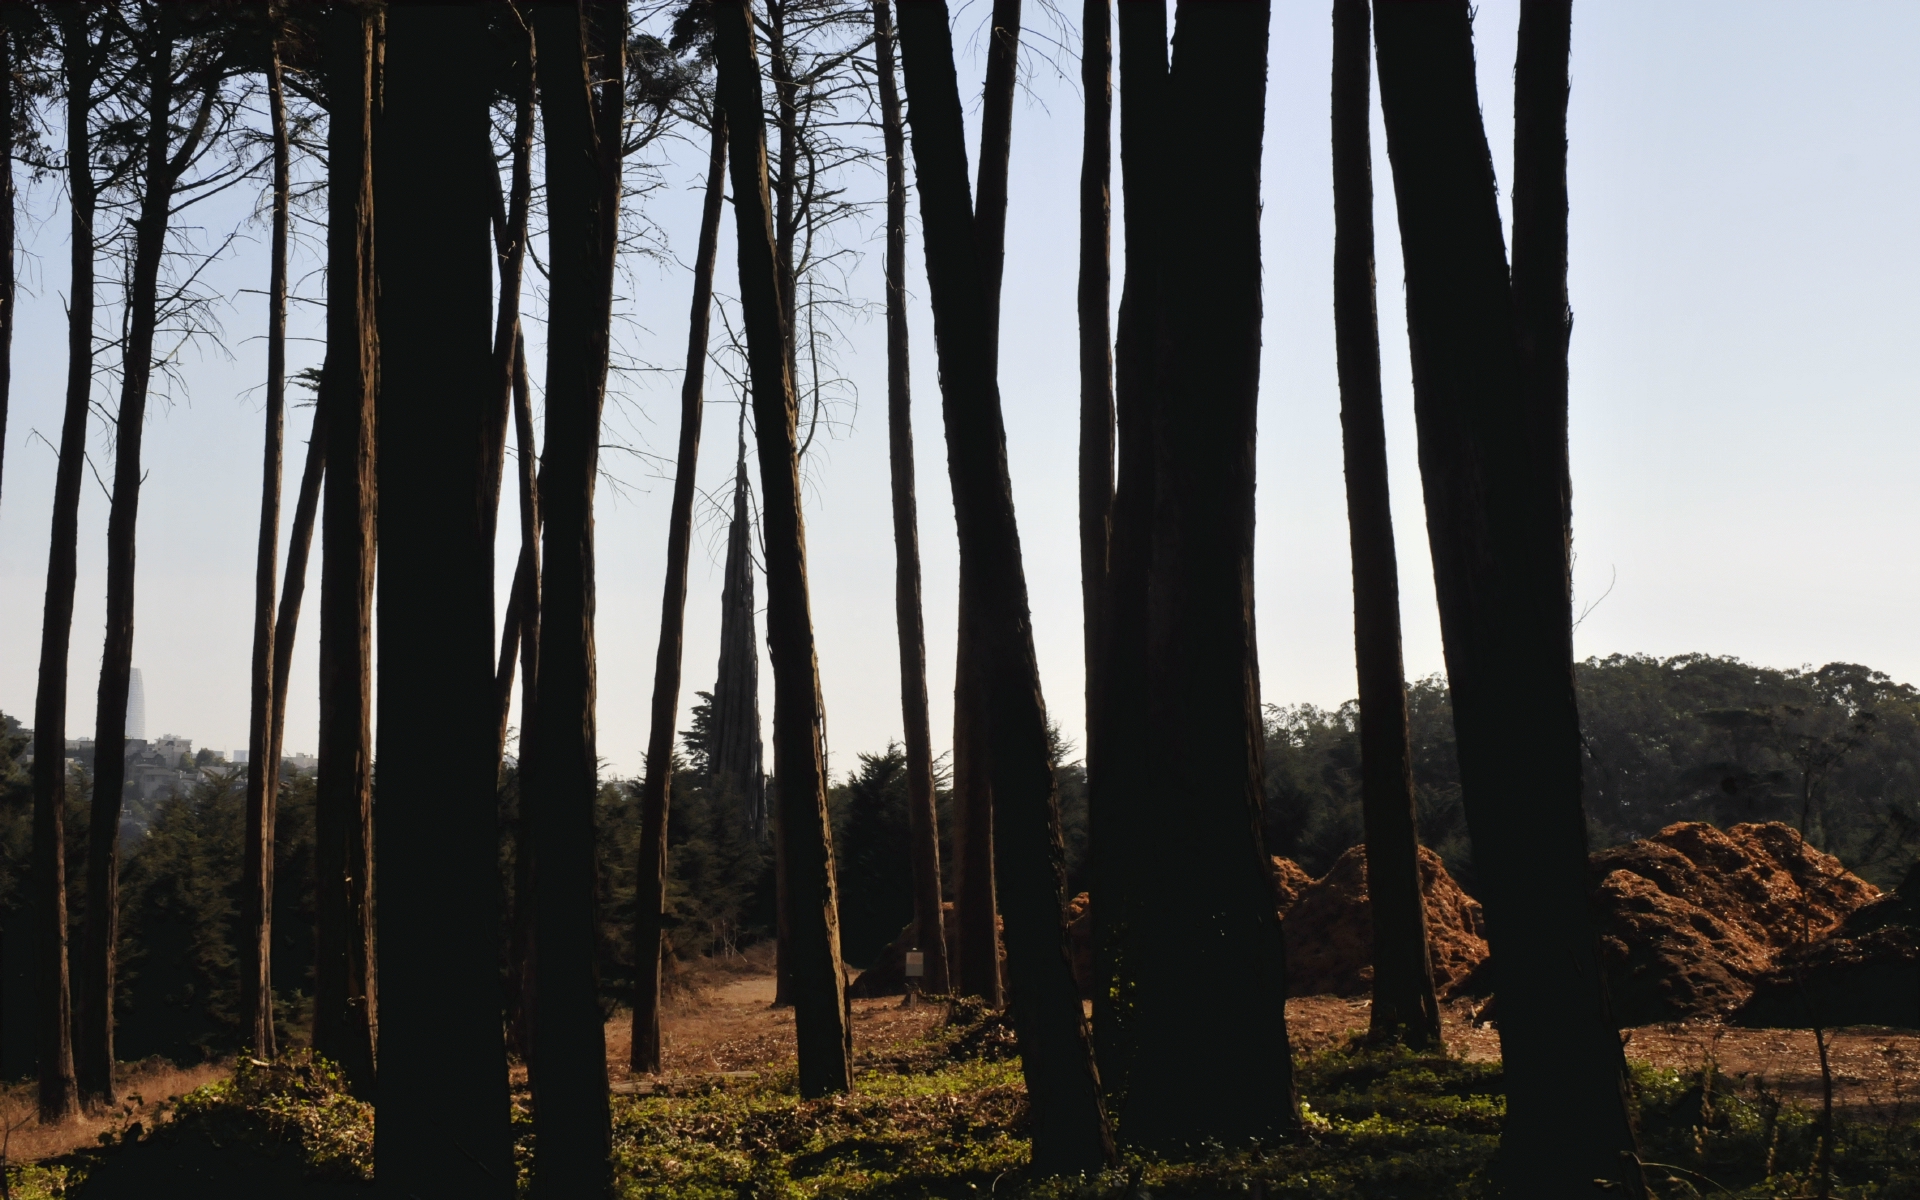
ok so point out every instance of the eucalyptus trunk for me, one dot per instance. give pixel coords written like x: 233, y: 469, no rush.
x: 656, y: 789
x: 816, y: 976
x: 1496, y: 527
x: 781, y: 188
x: 1405, y: 1008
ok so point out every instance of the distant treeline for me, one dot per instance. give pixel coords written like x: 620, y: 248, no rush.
x: 1690, y: 738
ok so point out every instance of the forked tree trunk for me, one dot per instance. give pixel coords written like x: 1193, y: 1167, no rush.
x: 1118, y: 799
x: 93, y: 1050
x: 580, y: 49
x: 442, y: 1125
x: 344, y: 1000
x: 1496, y: 526
x: 1069, y: 1121
x: 1211, y: 1059
x: 923, y: 823
x: 58, y: 1094
x: 256, y: 887
x: 799, y: 759
x: 1404, y: 1006
x: 656, y: 791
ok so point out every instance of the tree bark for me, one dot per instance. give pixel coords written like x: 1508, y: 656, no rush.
x: 1211, y: 1054
x: 8, y: 202
x: 510, y: 376
x: 345, y: 1020
x: 1543, y: 316
x: 1404, y: 1006
x: 923, y: 823
x: 256, y: 889
x: 1069, y: 1121
x: 580, y: 49
x: 93, y: 1050
x: 1118, y: 799
x: 1495, y: 523
x: 650, y: 895
x: 523, y: 620
x: 818, y: 979
x: 58, y: 1093
x: 442, y: 1125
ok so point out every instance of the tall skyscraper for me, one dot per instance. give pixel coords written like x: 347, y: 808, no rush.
x: 136, y: 706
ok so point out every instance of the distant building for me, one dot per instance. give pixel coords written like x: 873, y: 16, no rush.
x: 136, y: 706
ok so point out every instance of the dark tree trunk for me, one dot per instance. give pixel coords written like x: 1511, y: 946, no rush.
x: 59, y: 1095
x: 1543, y: 316
x: 442, y: 1125
x: 344, y: 1002
x: 1211, y: 1054
x: 293, y: 586
x: 1069, y: 1121
x: 923, y: 824
x: 650, y: 894
x: 580, y: 48
x: 7, y: 204
x: 93, y: 1051
x: 1404, y: 1006
x: 523, y: 621
x: 1118, y: 796
x: 737, y: 759
x: 510, y: 376
x: 1497, y: 532
x: 256, y: 888
x: 799, y: 758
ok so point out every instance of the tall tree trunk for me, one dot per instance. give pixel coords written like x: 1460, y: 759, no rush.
x: 8, y: 202
x: 1117, y: 793
x: 1404, y: 1006
x: 657, y: 787
x: 1096, y: 347
x: 443, y: 1121
x: 799, y: 755
x: 737, y: 757
x: 256, y: 898
x: 93, y: 1052
x: 580, y: 49
x: 59, y: 1096
x: 923, y: 822
x: 1496, y: 527
x: 1543, y: 316
x: 1070, y: 1126
x: 1211, y: 1054
x: 523, y: 615
x: 293, y: 585
x: 345, y: 1020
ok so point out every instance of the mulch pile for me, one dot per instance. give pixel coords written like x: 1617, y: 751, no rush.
x: 1866, y: 972
x: 1329, y: 929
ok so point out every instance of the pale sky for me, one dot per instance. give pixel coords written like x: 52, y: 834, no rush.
x: 1743, y: 397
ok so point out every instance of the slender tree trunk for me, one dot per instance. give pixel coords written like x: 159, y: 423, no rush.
x: 523, y: 620
x: 8, y: 202
x: 256, y: 946
x: 785, y: 230
x: 923, y: 823
x: 1404, y: 1006
x: 1069, y: 1121
x: 1495, y: 522
x: 293, y: 585
x: 1119, y: 799
x: 442, y: 1126
x: 657, y: 788
x: 59, y: 1096
x: 799, y: 757
x: 93, y: 1051
x: 560, y: 776
x: 345, y: 1020
x: 1543, y: 316
x: 1211, y: 1054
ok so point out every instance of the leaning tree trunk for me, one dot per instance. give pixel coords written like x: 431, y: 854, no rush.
x: 1404, y: 1006
x: 650, y: 889
x: 256, y: 888
x: 1070, y: 1130
x: 1495, y: 523
x: 344, y: 1001
x: 443, y: 1122
x: 523, y: 614
x: 293, y: 586
x: 559, y: 773
x: 1118, y: 799
x: 799, y: 757
x: 93, y: 1050
x: 923, y: 822
x: 1211, y: 1059
x: 58, y: 1092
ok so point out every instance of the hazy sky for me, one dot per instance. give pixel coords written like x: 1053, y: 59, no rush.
x: 1743, y: 399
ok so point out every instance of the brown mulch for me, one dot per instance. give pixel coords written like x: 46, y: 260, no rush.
x: 1329, y: 929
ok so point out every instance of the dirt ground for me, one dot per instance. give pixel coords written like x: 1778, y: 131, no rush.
x: 732, y: 1028
x: 143, y: 1087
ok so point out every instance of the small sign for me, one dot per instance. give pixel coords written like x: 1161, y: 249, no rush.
x: 916, y: 964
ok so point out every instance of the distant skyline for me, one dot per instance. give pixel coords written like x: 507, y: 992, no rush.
x: 1744, y: 412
